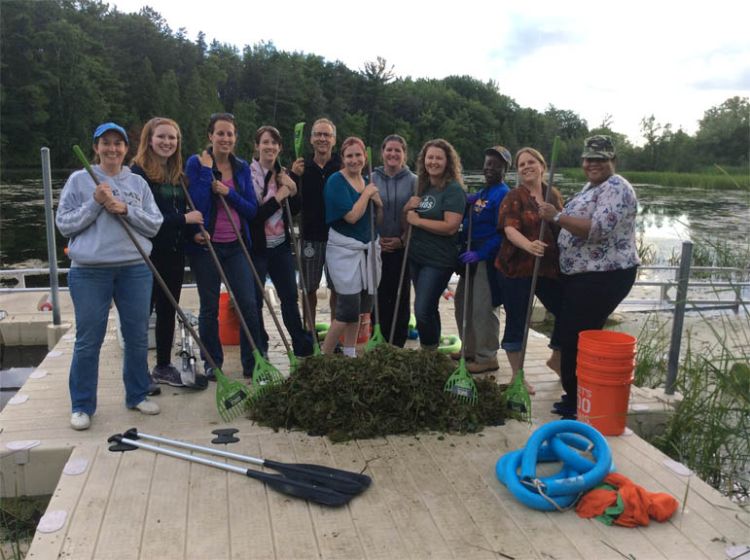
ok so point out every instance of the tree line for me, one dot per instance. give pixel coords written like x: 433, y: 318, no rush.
x: 68, y: 65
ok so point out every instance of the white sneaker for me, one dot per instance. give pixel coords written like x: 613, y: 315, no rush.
x: 80, y: 421
x: 147, y: 407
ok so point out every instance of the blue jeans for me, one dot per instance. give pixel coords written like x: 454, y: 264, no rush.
x: 516, y: 293
x: 429, y: 284
x: 92, y: 290
x: 279, y: 265
x: 235, y: 266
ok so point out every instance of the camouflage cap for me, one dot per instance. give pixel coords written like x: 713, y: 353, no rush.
x: 598, y: 147
x: 502, y: 152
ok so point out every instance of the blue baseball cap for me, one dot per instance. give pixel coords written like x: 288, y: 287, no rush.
x: 106, y: 127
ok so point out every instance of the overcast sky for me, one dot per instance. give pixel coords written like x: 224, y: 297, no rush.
x: 627, y: 59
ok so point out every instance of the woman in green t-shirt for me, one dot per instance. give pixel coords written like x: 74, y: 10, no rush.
x: 435, y: 214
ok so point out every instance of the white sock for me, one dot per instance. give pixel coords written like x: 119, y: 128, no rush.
x: 350, y: 351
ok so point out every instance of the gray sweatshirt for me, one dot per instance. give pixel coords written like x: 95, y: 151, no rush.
x: 395, y: 192
x: 96, y: 237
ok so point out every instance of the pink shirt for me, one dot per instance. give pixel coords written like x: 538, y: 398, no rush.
x: 223, y: 232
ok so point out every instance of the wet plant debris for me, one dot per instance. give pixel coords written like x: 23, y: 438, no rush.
x: 387, y: 391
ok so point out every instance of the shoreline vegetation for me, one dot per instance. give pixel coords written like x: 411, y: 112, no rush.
x: 731, y: 179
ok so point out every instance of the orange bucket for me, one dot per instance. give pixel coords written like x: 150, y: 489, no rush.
x: 604, y: 342
x: 229, y: 323
x: 610, y: 356
x: 618, y: 368
x: 603, y: 402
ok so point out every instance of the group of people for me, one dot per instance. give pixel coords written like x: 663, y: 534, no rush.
x: 371, y: 231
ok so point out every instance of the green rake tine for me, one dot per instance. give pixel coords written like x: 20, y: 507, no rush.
x: 517, y: 398
x: 265, y: 375
x: 232, y: 398
x: 293, y: 362
x: 298, y: 139
x: 376, y: 339
x: 461, y: 385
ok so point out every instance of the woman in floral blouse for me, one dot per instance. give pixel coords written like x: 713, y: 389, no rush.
x: 598, y: 256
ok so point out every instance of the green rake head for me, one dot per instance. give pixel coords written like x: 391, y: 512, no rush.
x: 265, y: 375
x: 377, y: 339
x: 298, y: 138
x: 461, y: 385
x: 233, y: 398
x: 517, y: 398
x: 293, y: 361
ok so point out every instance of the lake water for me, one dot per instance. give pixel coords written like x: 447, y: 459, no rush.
x: 666, y: 217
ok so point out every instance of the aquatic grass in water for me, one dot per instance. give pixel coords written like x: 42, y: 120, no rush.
x: 710, y: 179
x: 386, y: 391
x: 710, y: 429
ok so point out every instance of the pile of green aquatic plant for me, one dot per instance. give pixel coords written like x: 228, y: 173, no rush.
x: 386, y: 391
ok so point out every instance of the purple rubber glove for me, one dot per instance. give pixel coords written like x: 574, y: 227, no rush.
x: 472, y: 198
x: 469, y: 257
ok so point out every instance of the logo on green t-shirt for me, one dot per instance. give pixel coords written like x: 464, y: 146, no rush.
x: 427, y: 203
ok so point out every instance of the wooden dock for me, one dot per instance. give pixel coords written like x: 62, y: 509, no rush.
x: 433, y: 495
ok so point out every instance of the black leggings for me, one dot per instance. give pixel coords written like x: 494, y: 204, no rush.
x: 587, y: 300
x: 387, y: 290
x: 171, y: 267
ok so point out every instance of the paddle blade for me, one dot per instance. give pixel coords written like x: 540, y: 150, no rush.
x: 233, y: 398
x: 298, y: 138
x: 461, y: 385
x: 339, y: 480
x: 303, y: 490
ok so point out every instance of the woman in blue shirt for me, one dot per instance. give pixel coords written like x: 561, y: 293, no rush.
x: 347, y: 202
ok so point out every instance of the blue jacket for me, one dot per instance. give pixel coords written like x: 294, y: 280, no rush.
x: 485, y: 238
x: 242, y: 198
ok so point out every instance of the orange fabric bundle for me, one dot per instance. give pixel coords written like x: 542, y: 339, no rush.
x: 639, y: 504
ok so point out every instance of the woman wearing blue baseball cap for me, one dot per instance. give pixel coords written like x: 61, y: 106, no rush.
x: 106, y: 265
x: 598, y: 255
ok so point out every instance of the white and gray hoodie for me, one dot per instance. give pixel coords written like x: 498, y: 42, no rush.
x: 395, y: 192
x: 96, y: 239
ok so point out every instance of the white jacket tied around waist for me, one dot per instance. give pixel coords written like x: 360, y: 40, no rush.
x: 349, y: 264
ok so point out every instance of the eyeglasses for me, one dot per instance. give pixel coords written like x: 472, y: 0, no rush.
x: 319, y: 134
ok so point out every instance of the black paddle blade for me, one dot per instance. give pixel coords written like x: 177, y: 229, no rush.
x: 338, y: 480
x: 304, y: 490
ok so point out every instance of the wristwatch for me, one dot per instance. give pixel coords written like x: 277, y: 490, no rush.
x: 556, y: 217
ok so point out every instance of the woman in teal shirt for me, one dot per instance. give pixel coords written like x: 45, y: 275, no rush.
x: 347, y: 203
x: 435, y: 215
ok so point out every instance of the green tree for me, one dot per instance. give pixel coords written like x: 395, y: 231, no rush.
x: 724, y: 133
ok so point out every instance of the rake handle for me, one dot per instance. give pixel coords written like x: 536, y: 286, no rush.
x: 87, y: 166
x: 538, y: 260
x: 220, y: 270
x: 236, y: 231
x: 298, y: 257
x: 467, y: 284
